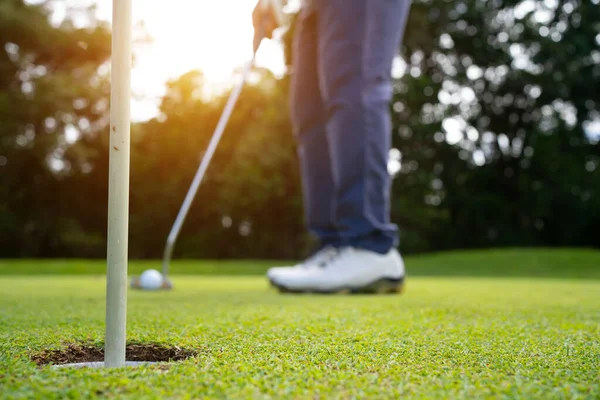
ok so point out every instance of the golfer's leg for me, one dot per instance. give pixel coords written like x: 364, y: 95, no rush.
x: 358, y: 41
x: 308, y: 118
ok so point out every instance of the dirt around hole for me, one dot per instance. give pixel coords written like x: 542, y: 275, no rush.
x: 79, y: 353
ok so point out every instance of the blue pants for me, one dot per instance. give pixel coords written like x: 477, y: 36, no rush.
x: 341, y: 89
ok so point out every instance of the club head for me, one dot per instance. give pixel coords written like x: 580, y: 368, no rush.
x: 166, y: 284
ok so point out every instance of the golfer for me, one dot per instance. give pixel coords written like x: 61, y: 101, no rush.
x: 341, y: 90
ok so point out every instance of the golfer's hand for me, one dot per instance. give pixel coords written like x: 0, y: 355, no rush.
x: 264, y: 19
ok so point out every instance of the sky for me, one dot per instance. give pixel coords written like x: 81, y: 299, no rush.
x: 214, y: 36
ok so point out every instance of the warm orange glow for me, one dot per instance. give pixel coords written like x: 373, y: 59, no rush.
x: 214, y: 36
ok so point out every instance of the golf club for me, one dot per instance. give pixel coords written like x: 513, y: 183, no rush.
x: 216, y: 137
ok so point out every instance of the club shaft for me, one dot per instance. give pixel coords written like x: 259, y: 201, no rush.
x: 212, y: 146
x: 118, y: 187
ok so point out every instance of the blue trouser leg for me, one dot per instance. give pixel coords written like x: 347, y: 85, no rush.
x: 341, y: 92
x: 309, y: 121
x: 357, y: 44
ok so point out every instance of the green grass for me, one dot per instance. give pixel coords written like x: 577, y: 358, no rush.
x: 548, y: 263
x: 467, y: 333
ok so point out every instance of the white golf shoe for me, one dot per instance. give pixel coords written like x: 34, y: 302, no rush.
x: 317, y: 259
x: 350, y: 270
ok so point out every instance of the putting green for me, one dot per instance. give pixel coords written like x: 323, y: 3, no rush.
x: 452, y: 337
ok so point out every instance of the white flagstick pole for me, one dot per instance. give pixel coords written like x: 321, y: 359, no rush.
x: 118, y: 186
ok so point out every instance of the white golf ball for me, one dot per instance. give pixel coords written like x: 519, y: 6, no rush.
x: 151, y: 279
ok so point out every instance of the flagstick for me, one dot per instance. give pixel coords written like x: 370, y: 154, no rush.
x: 118, y: 185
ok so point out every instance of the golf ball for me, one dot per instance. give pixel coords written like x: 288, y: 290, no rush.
x: 151, y: 279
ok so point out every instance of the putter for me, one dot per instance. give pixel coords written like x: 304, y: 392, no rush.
x: 216, y: 137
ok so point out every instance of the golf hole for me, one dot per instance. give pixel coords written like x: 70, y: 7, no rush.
x: 134, y: 353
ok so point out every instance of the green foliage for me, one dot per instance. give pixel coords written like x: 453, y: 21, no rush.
x: 48, y: 83
x: 248, y: 201
x: 489, y: 119
x: 519, y: 168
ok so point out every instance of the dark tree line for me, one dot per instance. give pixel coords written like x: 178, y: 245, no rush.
x: 492, y: 121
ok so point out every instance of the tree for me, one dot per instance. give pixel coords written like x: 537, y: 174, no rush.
x: 49, y: 87
x: 490, y: 130
x: 248, y: 200
x: 492, y: 114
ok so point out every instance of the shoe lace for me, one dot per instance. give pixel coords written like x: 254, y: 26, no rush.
x: 336, y: 257
x: 321, y: 257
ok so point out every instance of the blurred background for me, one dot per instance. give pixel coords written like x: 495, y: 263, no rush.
x: 496, y: 129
